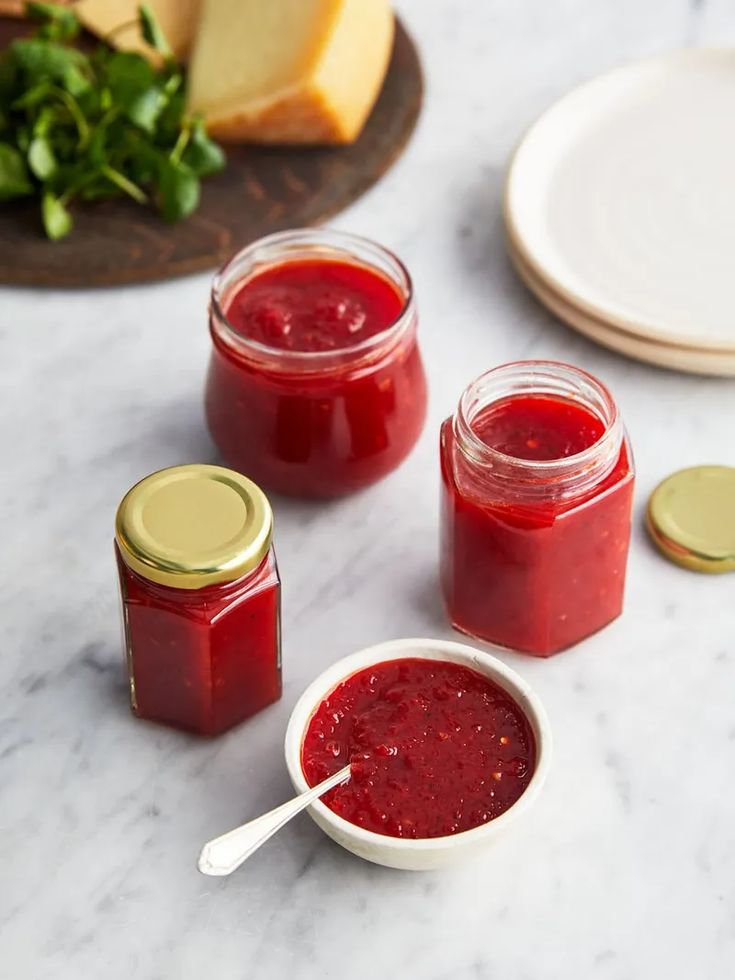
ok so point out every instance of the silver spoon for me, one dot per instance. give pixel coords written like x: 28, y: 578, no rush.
x: 225, y: 854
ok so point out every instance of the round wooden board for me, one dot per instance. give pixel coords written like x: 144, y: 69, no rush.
x: 262, y: 190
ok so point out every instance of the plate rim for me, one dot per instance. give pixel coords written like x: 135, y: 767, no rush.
x: 641, y: 349
x: 611, y: 316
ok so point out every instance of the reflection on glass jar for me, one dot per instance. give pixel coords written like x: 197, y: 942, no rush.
x: 316, y: 386
x: 201, y: 598
x: 537, y: 477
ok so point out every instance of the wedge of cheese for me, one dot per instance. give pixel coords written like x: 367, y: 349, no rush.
x: 116, y: 20
x: 289, y: 71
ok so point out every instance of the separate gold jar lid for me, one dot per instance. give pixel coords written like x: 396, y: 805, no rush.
x: 193, y: 526
x: 691, y: 518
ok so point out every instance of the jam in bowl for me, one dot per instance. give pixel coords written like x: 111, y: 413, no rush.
x: 447, y: 747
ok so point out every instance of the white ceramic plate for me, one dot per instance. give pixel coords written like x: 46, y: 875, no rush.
x: 678, y: 358
x: 622, y: 198
x: 430, y: 852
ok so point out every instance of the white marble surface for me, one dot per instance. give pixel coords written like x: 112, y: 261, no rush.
x: 625, y: 869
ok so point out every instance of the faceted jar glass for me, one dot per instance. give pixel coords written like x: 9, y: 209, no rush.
x: 314, y: 424
x: 202, y: 659
x: 534, y: 552
x: 200, y: 597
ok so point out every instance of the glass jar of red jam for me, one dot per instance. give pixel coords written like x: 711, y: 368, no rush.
x: 536, y: 507
x: 316, y: 386
x: 200, y: 596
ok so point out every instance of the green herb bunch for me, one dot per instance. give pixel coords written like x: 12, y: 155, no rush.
x: 78, y: 125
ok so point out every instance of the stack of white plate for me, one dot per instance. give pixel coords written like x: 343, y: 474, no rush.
x: 620, y: 210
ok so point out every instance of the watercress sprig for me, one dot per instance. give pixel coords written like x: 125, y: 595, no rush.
x: 81, y: 125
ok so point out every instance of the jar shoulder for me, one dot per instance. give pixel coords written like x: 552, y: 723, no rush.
x: 462, y: 485
x: 202, y: 606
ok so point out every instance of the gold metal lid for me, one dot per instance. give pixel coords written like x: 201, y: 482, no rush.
x: 193, y: 526
x: 691, y: 518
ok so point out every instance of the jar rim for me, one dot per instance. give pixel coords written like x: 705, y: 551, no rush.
x: 572, y: 474
x: 326, y: 241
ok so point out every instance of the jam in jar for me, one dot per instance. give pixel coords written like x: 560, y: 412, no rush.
x: 316, y: 386
x: 537, y: 477
x: 200, y: 596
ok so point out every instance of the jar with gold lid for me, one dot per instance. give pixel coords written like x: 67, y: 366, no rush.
x: 200, y: 596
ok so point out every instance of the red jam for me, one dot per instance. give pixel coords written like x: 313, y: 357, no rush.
x: 538, y: 427
x: 523, y: 565
x: 314, y: 305
x: 435, y: 748
x: 316, y: 386
x: 203, y: 660
x: 200, y: 598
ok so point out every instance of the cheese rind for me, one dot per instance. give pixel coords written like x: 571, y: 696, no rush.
x: 291, y: 71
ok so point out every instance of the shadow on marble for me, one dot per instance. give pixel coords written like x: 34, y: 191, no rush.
x: 481, y: 247
x: 101, y: 674
x: 177, y: 433
x: 424, y: 595
x: 480, y: 231
x: 314, y: 855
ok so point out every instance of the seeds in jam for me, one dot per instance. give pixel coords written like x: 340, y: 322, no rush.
x: 435, y: 748
x: 538, y: 427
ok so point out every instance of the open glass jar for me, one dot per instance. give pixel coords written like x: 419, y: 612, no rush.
x: 315, y: 422
x: 200, y: 596
x: 536, y: 507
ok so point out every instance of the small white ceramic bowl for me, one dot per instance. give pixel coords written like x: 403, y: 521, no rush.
x: 430, y: 852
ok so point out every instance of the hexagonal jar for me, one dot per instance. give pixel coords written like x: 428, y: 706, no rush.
x: 534, y: 547
x: 200, y: 598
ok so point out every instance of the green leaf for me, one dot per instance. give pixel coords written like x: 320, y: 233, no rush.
x: 146, y: 109
x: 14, y: 178
x: 127, y: 75
x: 41, y: 158
x: 178, y: 190
x: 133, y: 87
x: 41, y: 60
x: 94, y: 123
x: 202, y: 154
x: 56, y: 219
x: 152, y: 32
x: 58, y: 23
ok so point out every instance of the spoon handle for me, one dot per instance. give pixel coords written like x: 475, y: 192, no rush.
x: 225, y: 854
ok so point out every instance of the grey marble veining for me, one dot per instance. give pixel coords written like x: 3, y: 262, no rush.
x: 624, y: 869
